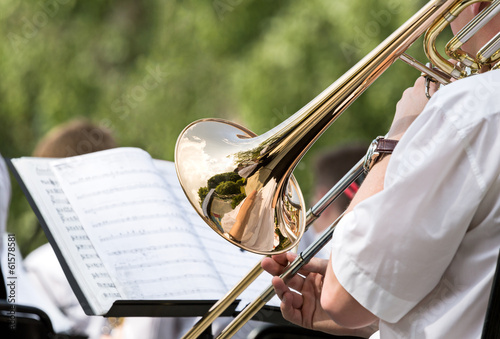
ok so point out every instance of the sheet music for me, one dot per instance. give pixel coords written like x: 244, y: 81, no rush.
x: 147, y: 243
x: 68, y: 232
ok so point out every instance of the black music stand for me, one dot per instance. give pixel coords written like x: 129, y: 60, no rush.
x: 491, y: 328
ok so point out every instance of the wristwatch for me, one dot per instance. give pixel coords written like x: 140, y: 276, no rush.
x: 377, y: 150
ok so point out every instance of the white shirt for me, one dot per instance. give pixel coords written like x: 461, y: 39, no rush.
x: 421, y: 254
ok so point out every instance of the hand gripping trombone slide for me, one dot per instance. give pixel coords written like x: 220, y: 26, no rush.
x: 314, y: 213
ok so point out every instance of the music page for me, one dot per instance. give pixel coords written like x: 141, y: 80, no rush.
x: 68, y: 232
x: 146, y: 242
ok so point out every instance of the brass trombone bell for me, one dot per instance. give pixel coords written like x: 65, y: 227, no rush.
x: 237, y: 183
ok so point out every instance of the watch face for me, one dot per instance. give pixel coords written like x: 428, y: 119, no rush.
x: 371, y: 155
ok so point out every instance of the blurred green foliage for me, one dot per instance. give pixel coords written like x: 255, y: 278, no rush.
x: 146, y: 69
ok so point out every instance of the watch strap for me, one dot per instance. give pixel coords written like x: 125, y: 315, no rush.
x: 386, y: 145
x: 377, y: 150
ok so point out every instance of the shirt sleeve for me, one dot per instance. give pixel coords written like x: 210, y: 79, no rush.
x: 407, y: 234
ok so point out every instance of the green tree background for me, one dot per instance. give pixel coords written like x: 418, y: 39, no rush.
x: 255, y: 62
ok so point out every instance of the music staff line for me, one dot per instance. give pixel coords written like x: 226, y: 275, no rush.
x: 175, y: 278
x: 112, y: 190
x: 126, y: 204
x: 128, y: 266
x: 137, y: 218
x: 150, y: 248
x: 112, y: 174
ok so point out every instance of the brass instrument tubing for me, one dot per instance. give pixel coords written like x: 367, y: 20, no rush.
x: 476, y: 24
x: 490, y: 49
x: 423, y: 68
x: 432, y: 34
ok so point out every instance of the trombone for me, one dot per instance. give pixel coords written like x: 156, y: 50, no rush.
x: 242, y: 185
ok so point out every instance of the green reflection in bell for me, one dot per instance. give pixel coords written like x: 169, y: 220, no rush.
x: 227, y: 174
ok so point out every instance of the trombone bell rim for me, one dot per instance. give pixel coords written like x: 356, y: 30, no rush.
x: 231, y: 180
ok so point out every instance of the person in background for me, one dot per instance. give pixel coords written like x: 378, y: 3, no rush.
x: 75, y: 137
x: 329, y: 168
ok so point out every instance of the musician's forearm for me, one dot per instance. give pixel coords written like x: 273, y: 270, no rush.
x: 373, y: 183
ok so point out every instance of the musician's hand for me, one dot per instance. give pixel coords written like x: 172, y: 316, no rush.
x: 304, y: 308
x: 409, y: 107
x: 277, y: 264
